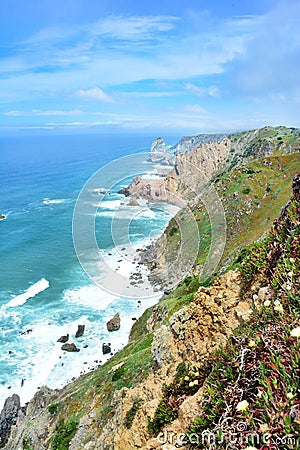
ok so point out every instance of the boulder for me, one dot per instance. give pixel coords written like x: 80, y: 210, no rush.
x: 70, y: 348
x: 8, y: 417
x: 106, y: 349
x: 114, y: 323
x: 80, y: 331
x: 63, y: 339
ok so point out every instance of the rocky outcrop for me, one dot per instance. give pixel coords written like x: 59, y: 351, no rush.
x: 106, y: 349
x: 190, y: 174
x: 191, y: 334
x: 114, y: 323
x: 70, y: 348
x: 188, y: 143
x: 35, y: 428
x: 63, y: 338
x: 80, y: 331
x: 198, y: 329
x: 160, y: 153
x: 8, y: 417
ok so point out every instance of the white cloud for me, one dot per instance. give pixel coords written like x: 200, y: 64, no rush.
x: 212, y: 91
x: 195, y: 109
x: 133, y: 27
x: 151, y: 94
x: 95, y: 94
x: 38, y: 112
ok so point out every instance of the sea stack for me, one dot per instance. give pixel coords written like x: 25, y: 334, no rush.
x: 114, y: 323
x: 80, y: 331
x: 160, y: 153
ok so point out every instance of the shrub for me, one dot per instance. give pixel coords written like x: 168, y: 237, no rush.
x: 172, y: 231
x: 118, y: 373
x: 64, y: 434
x: 53, y: 408
x: 246, y: 190
x: 187, y: 381
x: 130, y: 415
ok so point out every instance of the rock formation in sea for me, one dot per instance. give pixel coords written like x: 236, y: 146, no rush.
x: 63, y: 338
x: 160, y: 153
x: 106, y: 349
x: 80, y: 331
x: 206, y: 347
x: 70, y: 348
x: 114, y: 323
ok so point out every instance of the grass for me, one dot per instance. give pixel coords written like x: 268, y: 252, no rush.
x: 261, y: 362
x: 187, y: 381
x: 131, y: 413
x: 252, y: 196
x: 254, y: 383
x: 64, y: 433
x: 26, y: 443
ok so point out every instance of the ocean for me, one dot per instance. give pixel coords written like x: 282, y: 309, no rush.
x: 45, y: 290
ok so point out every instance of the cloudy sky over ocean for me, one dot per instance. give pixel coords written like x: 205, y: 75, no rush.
x: 114, y: 66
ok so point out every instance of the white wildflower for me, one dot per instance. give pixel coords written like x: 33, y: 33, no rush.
x: 242, y: 406
x: 290, y: 395
x: 295, y: 332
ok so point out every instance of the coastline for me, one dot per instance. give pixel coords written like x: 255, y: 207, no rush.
x: 87, y: 359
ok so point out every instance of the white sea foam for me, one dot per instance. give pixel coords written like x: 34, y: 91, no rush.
x: 100, y: 190
x: 54, y: 201
x: 127, y: 212
x: 90, y: 296
x: 35, y: 289
x: 59, y: 367
x: 111, y: 204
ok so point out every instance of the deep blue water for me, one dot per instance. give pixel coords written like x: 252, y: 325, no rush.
x: 41, y: 178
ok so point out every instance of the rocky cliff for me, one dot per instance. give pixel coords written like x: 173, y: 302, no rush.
x: 191, y: 172
x: 209, y: 356
x: 188, y: 143
x: 202, y: 157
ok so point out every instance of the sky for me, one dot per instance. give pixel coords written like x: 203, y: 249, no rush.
x: 165, y: 66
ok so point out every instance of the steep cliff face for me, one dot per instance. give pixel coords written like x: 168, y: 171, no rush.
x: 191, y: 334
x: 171, y: 377
x: 200, y: 158
x: 188, y: 143
x: 191, y: 172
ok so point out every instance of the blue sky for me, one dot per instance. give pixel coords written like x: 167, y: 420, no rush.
x: 180, y: 66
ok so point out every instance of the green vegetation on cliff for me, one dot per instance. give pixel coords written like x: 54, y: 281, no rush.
x: 252, y: 390
x: 253, y: 379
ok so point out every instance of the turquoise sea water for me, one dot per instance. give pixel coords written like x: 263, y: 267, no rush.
x: 44, y: 291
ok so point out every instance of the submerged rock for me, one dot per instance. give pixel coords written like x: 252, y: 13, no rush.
x: 114, y: 323
x: 70, y: 348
